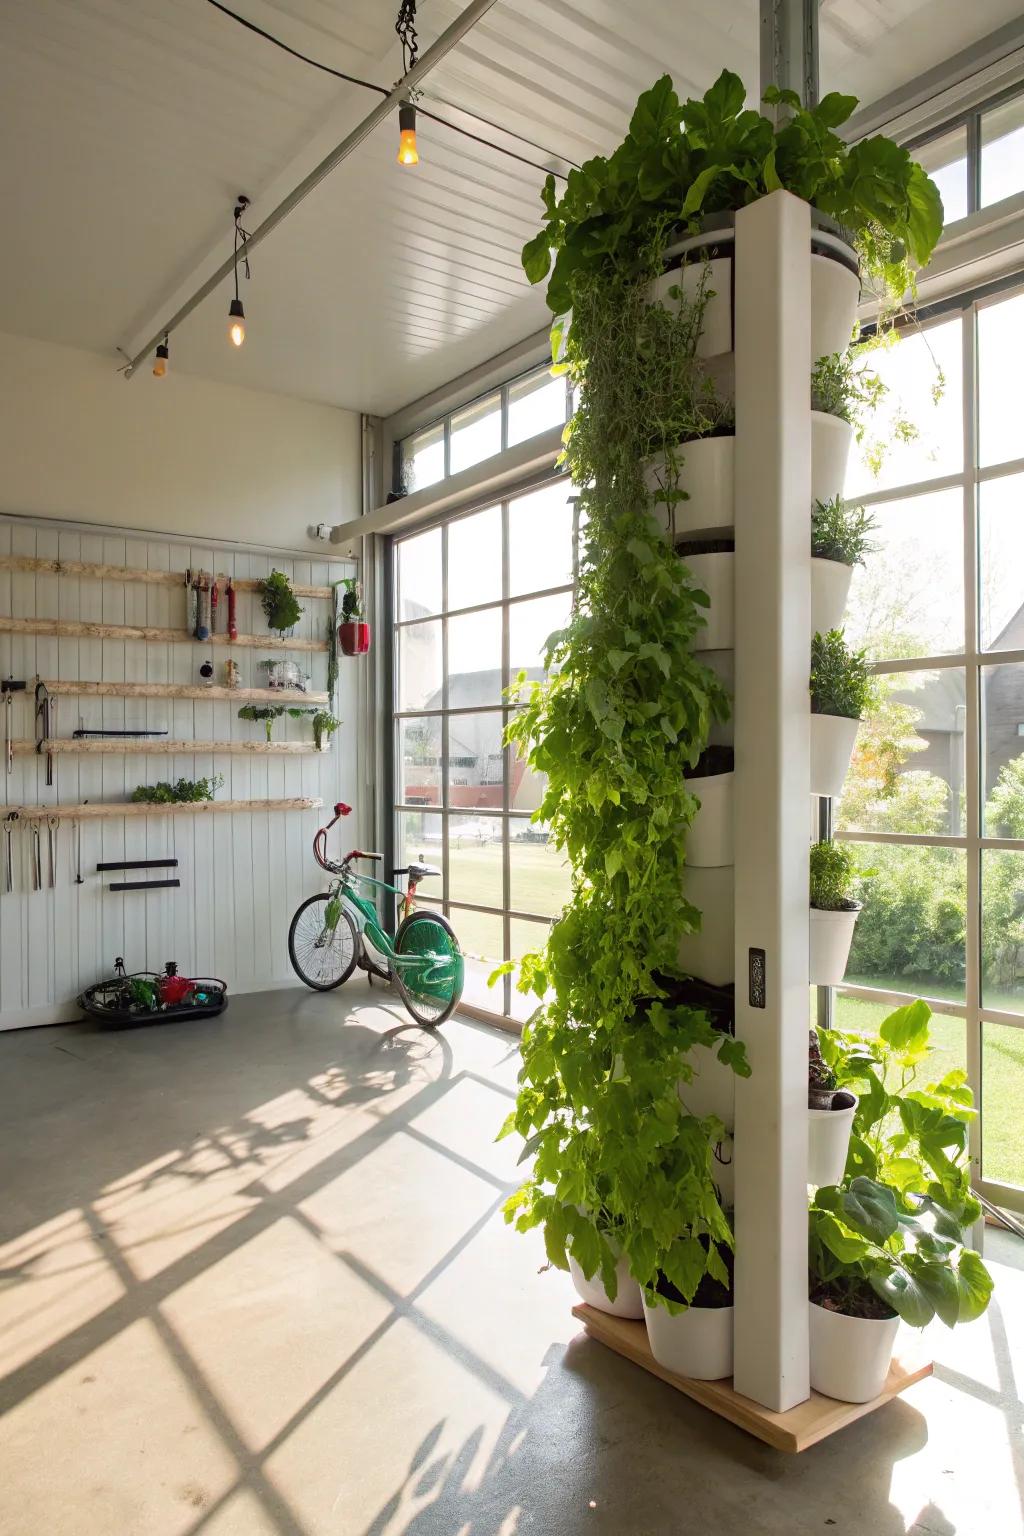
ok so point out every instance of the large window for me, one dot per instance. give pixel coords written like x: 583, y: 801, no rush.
x: 508, y: 416
x: 977, y: 159
x: 476, y: 598
x: 935, y: 795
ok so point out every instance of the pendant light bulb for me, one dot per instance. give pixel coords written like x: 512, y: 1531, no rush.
x: 236, y: 322
x: 163, y: 353
x: 408, y: 154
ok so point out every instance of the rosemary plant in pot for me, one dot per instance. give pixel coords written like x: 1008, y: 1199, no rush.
x: 621, y: 1170
x: 834, y: 911
x: 830, y: 1111
x: 887, y: 1242
x: 840, y: 539
x: 842, y: 692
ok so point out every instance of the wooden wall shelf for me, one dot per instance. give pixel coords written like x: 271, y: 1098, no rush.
x: 88, y: 811
x: 152, y: 746
x: 184, y: 691
x: 31, y: 564
x: 795, y: 1430
x: 72, y: 629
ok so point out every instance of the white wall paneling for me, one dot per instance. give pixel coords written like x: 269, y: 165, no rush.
x: 242, y: 874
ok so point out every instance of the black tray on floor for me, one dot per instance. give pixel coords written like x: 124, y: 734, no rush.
x: 106, y: 1002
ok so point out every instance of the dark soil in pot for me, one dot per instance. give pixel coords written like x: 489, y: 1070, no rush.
x: 687, y: 547
x: 719, y: 1003
x: 712, y: 761
x: 851, y: 1298
x: 710, y: 1293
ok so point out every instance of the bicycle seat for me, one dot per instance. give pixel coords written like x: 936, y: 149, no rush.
x: 418, y: 872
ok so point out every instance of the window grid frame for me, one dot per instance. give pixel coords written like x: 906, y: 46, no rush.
x: 974, y: 660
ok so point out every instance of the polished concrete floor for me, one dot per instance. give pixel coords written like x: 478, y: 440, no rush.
x: 254, y: 1279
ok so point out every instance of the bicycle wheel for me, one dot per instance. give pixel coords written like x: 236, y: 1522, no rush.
x: 323, y: 947
x: 431, y: 987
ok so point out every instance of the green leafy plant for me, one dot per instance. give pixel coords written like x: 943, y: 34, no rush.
x: 680, y: 162
x: 268, y: 713
x: 620, y: 1165
x: 834, y: 876
x: 352, y: 611
x: 843, y: 385
x: 185, y: 791
x: 280, y: 605
x: 324, y: 724
x: 840, y: 681
x: 822, y: 1082
x: 908, y: 1160
x: 841, y: 532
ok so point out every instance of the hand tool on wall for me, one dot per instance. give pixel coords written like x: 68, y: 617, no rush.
x: 214, y: 600
x: 192, y: 603
x: 10, y: 821
x: 44, y: 726
x: 37, y: 857
x: 78, y: 853
x: 232, y: 626
x: 8, y: 687
x: 84, y: 734
x: 203, y: 615
x: 52, y: 828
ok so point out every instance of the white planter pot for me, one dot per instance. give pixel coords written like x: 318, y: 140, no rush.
x: 831, y: 934
x: 628, y: 1298
x: 706, y: 479
x: 830, y: 587
x: 712, y: 1090
x: 723, y: 665
x: 832, y: 741
x: 830, y: 448
x: 828, y: 1141
x: 715, y: 575
x: 835, y: 294
x: 716, y: 332
x: 709, y: 954
x: 695, y: 1343
x: 850, y: 1356
x: 709, y: 841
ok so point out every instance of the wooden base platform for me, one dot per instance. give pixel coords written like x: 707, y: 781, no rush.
x: 794, y: 1430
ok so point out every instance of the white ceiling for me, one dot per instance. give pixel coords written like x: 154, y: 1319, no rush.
x: 128, y: 127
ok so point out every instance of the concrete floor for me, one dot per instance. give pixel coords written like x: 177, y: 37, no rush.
x: 254, y: 1279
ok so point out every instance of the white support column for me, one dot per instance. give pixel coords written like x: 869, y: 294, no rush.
x: 772, y: 736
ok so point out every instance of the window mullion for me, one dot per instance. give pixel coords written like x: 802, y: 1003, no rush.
x: 972, y: 735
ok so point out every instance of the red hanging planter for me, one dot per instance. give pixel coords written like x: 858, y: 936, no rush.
x: 354, y: 638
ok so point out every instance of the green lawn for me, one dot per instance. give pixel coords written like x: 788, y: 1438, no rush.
x: 1002, y: 1076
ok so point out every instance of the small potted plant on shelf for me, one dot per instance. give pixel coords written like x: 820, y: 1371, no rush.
x: 353, y: 631
x: 842, y: 692
x: 834, y: 911
x: 830, y: 1111
x: 709, y: 842
x: 840, y: 539
x: 324, y: 727
x: 268, y: 713
x: 280, y: 605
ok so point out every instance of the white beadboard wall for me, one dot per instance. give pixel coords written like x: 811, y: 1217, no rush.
x: 242, y: 874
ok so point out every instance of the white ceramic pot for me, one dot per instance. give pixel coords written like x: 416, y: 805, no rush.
x: 704, y: 484
x: 835, y: 294
x: 628, y: 1299
x: 832, y: 742
x: 723, y: 665
x: 830, y: 448
x: 712, y: 1090
x: 828, y: 1140
x: 709, y: 840
x: 715, y: 574
x: 850, y: 1356
x: 716, y: 332
x: 709, y: 954
x: 830, y: 587
x: 831, y: 934
x: 695, y: 1343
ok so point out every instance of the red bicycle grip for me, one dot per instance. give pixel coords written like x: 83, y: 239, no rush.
x: 341, y: 809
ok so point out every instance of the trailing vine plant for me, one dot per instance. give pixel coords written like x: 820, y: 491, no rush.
x: 620, y: 1166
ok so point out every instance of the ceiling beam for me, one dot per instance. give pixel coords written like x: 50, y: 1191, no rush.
x: 438, y: 50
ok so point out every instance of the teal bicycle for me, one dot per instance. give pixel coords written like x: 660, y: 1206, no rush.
x: 339, y: 929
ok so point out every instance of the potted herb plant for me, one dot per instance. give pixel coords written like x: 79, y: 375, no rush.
x: 268, y: 713
x: 830, y: 1111
x: 840, y: 539
x: 353, y: 631
x: 842, y: 692
x: 280, y: 605
x: 324, y: 727
x: 626, y: 1300
x: 711, y: 779
x: 691, y: 1332
x: 834, y: 911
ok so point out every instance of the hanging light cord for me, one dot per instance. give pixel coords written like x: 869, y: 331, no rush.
x: 242, y: 238
x: 408, y: 49
x: 405, y: 26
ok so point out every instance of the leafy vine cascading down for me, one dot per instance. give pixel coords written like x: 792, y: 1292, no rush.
x: 621, y: 1166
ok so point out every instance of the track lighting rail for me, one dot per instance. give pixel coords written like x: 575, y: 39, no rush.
x: 438, y: 50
